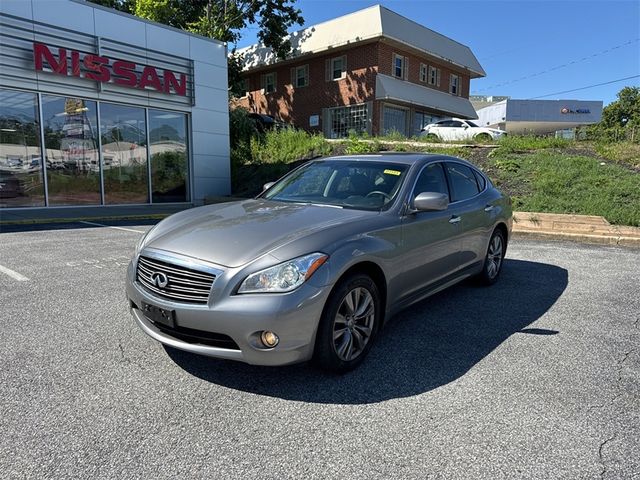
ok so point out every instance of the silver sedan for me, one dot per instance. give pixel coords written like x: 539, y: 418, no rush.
x: 313, y: 267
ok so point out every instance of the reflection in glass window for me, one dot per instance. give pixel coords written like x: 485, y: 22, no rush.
x: 124, y: 154
x: 71, y: 147
x: 21, y: 182
x: 169, y: 165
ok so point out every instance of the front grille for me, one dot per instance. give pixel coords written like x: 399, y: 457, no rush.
x: 199, y: 337
x: 183, y: 284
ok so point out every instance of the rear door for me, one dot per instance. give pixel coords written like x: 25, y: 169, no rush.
x: 468, y: 211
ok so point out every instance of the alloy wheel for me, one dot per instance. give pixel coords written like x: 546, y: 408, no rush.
x: 494, y: 256
x: 353, y: 323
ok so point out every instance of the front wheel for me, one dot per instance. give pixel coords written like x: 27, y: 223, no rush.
x: 483, y: 138
x: 348, y: 325
x: 494, y: 259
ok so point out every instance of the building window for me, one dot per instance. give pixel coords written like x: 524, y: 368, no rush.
x: 244, y: 87
x: 300, y: 76
x: 169, y: 159
x: 394, y: 120
x: 336, y: 68
x: 454, y: 84
x: 71, y: 150
x: 21, y: 181
x: 421, y: 120
x: 123, y: 133
x: 400, y: 66
x: 434, y: 76
x: 343, y: 120
x: 269, y: 82
x: 423, y: 73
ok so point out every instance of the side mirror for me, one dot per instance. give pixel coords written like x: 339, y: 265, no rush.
x: 465, y: 126
x: 267, y: 186
x: 431, y: 202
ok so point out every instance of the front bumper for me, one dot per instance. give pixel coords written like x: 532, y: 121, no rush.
x: 293, y: 316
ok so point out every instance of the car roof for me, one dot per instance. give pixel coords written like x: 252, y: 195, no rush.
x: 397, y: 157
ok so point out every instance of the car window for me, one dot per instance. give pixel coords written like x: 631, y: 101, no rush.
x: 456, y: 124
x: 431, y: 179
x: 445, y: 123
x: 462, y: 182
x: 482, y: 183
x: 471, y: 124
x: 350, y: 184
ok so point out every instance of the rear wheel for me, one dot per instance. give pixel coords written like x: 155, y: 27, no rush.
x: 348, y: 324
x: 494, y: 259
x: 432, y: 137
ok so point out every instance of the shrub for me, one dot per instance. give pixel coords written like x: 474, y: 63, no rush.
x: 288, y: 145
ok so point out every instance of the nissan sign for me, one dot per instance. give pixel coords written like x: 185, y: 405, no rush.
x: 106, y: 70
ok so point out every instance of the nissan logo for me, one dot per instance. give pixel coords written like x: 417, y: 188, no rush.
x: 159, y: 279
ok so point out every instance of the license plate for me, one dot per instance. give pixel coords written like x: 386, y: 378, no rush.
x: 159, y: 315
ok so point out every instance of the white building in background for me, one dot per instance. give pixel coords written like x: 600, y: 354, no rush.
x: 536, y: 117
x: 99, y: 107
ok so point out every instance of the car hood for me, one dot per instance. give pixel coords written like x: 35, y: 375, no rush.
x: 233, y: 234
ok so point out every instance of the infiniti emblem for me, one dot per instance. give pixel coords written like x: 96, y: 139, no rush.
x: 159, y: 279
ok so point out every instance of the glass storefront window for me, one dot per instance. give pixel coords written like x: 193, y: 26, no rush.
x: 169, y: 161
x: 71, y: 148
x: 21, y: 176
x: 124, y: 154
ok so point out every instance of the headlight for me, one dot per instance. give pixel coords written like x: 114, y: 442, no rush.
x: 284, y: 277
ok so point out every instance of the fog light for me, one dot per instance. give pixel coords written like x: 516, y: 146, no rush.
x: 269, y: 339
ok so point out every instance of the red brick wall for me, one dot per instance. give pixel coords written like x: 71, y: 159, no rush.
x: 385, y: 63
x: 296, y: 105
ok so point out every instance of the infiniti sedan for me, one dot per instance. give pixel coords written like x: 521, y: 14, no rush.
x: 312, y: 267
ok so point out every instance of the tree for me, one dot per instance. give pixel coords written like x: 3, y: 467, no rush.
x: 222, y: 20
x: 624, y: 112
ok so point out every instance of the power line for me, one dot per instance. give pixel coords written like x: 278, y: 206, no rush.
x: 557, y: 67
x: 584, y: 88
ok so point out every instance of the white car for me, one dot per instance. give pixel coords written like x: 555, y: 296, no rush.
x: 457, y: 129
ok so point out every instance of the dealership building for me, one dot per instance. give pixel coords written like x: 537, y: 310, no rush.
x: 536, y: 117
x: 370, y: 71
x: 102, y: 108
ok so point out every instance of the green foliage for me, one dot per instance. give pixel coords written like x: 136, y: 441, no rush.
x: 357, y: 144
x: 522, y: 143
x: 241, y: 130
x: 621, y: 152
x: 552, y: 181
x: 288, y: 145
x: 127, y: 6
x: 620, y: 119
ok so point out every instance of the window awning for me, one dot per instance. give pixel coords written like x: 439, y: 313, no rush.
x: 389, y: 88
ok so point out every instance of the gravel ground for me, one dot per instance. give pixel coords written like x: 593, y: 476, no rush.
x: 535, y: 377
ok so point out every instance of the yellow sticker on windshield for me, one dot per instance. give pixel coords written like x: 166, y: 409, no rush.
x: 392, y: 172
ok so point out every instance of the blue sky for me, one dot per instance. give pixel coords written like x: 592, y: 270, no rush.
x: 520, y: 38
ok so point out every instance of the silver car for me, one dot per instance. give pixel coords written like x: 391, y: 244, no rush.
x: 313, y: 267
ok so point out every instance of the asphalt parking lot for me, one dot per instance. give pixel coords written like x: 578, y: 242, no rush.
x: 535, y: 377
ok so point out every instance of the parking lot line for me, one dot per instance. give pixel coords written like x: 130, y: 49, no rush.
x: 13, y: 274
x: 109, y: 226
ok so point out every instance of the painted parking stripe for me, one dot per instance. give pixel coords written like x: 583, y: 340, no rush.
x: 109, y: 226
x: 13, y: 274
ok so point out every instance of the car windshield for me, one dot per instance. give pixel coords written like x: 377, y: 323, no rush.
x: 349, y: 184
x: 471, y: 124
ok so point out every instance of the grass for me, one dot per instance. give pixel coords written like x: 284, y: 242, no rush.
x: 550, y: 181
x: 287, y: 145
x: 622, y: 152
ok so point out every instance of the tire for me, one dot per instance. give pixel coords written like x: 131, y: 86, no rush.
x: 345, y: 335
x: 494, y: 259
x: 483, y: 138
x: 432, y: 137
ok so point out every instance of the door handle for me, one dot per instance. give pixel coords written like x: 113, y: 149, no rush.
x: 488, y: 208
x: 454, y: 220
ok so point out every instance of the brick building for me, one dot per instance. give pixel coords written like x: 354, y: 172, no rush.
x: 370, y: 71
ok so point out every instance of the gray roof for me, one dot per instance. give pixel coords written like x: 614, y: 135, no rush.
x: 389, y: 88
x: 365, y: 25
